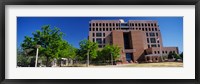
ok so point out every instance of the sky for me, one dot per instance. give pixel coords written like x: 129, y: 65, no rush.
x: 77, y: 28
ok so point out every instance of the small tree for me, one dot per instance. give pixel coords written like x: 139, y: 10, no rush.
x: 111, y: 52
x: 89, y: 49
x: 181, y: 55
x: 170, y: 55
x: 49, y: 40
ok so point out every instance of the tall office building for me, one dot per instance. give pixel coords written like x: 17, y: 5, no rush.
x: 139, y: 40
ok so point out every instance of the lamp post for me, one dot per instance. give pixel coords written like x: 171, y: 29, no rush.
x: 36, y: 58
x: 111, y: 58
x: 88, y: 58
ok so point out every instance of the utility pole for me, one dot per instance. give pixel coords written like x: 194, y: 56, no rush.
x: 88, y: 58
x: 36, y: 58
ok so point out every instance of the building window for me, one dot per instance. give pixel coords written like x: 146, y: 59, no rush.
x: 154, y: 52
x: 132, y: 24
x: 106, y: 29
x: 89, y: 29
x: 142, y: 29
x: 93, y: 29
x: 147, y: 34
x: 99, y: 24
x: 145, y: 24
x: 157, y: 41
x: 135, y: 24
x: 158, y: 45
x: 149, y: 29
x: 153, y: 40
x: 148, y: 24
x: 106, y: 24
x: 152, y: 29
x: 139, y: 28
x: 155, y: 24
x: 103, y: 24
x: 158, y: 52
x: 155, y: 29
x: 139, y: 24
x: 100, y: 46
x: 93, y: 40
x: 152, y: 34
x: 103, y: 29
x: 96, y: 29
x: 113, y: 28
x: 104, y: 41
x: 96, y: 24
x: 156, y: 34
x: 98, y: 40
x: 173, y: 51
x: 100, y: 29
x: 147, y: 40
x: 142, y: 24
x: 153, y: 45
x: 113, y: 24
x: 146, y: 29
x: 93, y: 34
x: 104, y: 34
x: 117, y: 25
x: 148, y: 46
x: 110, y: 24
x: 151, y: 24
x: 166, y: 52
x: 98, y: 34
x: 163, y: 52
x: 93, y: 24
x: 110, y: 29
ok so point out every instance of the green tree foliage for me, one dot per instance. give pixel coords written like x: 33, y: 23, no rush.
x: 49, y: 39
x: 181, y: 55
x: 87, y: 46
x: 108, y: 50
x: 170, y: 55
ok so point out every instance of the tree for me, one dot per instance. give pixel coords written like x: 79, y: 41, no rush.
x: 66, y: 51
x: 49, y: 40
x: 89, y: 49
x: 170, y: 55
x: 181, y: 55
x: 111, y: 52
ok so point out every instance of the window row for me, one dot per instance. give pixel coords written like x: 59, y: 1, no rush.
x: 110, y: 29
x: 104, y: 29
x: 99, y: 40
x: 105, y: 24
x: 152, y: 40
x: 151, y: 34
x: 124, y: 24
x: 163, y: 52
x: 142, y: 24
x: 98, y: 34
x: 153, y: 45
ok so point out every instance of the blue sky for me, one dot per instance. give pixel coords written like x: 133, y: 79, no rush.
x: 76, y: 28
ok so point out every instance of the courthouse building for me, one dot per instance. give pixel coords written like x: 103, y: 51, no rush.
x: 139, y: 40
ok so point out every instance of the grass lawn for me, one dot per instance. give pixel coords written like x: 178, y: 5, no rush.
x: 161, y: 64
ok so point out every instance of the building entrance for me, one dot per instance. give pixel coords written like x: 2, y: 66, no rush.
x: 129, y: 57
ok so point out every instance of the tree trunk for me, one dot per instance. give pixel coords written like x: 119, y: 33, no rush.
x: 60, y: 62
x: 47, y: 62
x: 68, y: 61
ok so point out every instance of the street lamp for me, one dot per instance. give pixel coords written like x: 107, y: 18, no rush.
x: 36, y: 58
x: 88, y: 58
